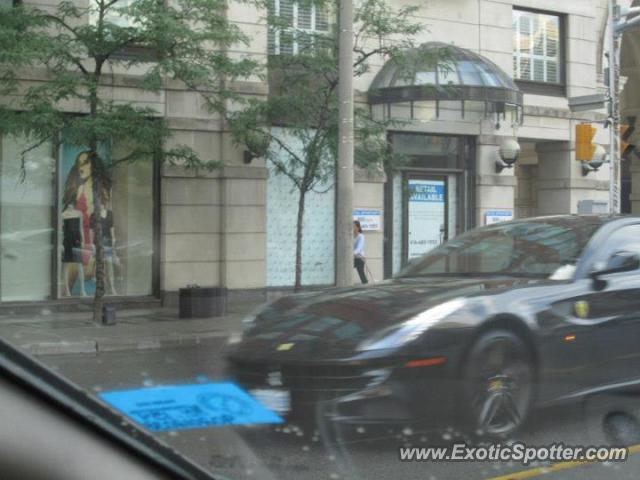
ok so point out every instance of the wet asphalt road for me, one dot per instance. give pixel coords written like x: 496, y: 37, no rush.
x: 267, y: 453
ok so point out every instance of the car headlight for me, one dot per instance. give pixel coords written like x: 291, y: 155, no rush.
x: 408, y: 331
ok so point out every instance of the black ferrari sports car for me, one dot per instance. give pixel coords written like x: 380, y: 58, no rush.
x: 476, y: 332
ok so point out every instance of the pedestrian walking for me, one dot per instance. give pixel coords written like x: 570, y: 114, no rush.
x: 358, y: 251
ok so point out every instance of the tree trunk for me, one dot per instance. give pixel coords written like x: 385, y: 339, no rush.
x: 98, y: 299
x: 299, y: 229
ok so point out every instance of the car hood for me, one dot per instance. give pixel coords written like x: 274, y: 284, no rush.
x: 332, y: 323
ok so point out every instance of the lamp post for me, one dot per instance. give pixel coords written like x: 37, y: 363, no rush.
x: 344, y: 170
x: 614, y: 114
x: 618, y: 24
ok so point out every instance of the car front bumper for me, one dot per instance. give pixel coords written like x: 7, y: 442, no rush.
x: 354, y: 395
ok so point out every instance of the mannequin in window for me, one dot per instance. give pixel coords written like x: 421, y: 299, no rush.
x: 80, y: 191
x: 72, y: 242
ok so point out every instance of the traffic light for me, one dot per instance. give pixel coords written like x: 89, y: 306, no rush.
x: 625, y: 135
x: 585, y: 148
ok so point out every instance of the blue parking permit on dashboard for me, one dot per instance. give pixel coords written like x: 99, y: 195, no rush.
x: 181, y: 407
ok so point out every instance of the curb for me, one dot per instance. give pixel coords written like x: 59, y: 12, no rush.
x: 119, y: 345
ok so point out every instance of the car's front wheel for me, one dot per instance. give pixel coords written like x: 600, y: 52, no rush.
x: 497, y: 386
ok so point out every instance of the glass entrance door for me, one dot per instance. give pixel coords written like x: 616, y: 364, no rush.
x: 431, y: 198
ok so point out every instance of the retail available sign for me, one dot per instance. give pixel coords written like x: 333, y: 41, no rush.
x: 426, y: 215
x: 497, y: 216
x: 370, y: 220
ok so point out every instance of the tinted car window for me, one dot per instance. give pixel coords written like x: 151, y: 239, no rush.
x: 625, y: 239
x: 517, y: 248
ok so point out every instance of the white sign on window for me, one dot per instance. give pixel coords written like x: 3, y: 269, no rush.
x: 426, y: 216
x: 370, y: 220
x: 497, y: 216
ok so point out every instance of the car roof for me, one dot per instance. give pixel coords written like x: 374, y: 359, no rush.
x: 577, y: 220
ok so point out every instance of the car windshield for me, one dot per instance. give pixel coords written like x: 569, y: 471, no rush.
x: 319, y: 239
x: 528, y: 248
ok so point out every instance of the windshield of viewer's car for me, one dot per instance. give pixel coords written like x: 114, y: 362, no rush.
x: 539, y: 249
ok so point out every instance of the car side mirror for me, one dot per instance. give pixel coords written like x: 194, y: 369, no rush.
x: 617, y: 263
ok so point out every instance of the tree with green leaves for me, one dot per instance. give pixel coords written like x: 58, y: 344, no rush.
x: 303, y: 97
x: 55, y: 61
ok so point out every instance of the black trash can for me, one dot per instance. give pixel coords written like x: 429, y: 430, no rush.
x: 109, y: 315
x: 201, y: 302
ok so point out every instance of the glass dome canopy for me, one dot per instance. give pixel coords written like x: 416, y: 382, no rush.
x: 462, y: 75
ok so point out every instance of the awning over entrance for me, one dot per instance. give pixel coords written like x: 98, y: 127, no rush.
x: 464, y: 76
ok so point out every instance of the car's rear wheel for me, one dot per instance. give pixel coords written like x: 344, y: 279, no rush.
x: 497, y: 384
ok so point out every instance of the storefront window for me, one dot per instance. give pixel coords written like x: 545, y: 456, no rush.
x: 133, y: 223
x: 126, y: 217
x: 30, y: 232
x: 26, y: 231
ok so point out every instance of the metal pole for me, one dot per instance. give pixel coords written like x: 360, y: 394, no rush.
x: 614, y: 125
x: 344, y: 170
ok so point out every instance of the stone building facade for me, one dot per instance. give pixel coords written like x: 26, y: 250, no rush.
x: 233, y: 227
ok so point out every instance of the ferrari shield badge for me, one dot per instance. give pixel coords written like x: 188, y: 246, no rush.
x: 581, y: 309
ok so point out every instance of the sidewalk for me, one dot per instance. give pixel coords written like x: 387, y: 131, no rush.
x: 65, y: 333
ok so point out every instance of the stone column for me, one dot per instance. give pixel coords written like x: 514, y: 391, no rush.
x: 190, y: 221
x: 243, y: 246
x: 369, y: 195
x: 494, y: 191
x: 561, y: 184
x: 635, y: 185
x: 213, y: 227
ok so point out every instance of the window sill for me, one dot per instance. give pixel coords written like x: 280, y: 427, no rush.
x: 541, y: 88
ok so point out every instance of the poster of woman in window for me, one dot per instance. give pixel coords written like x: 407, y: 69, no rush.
x: 79, y: 188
